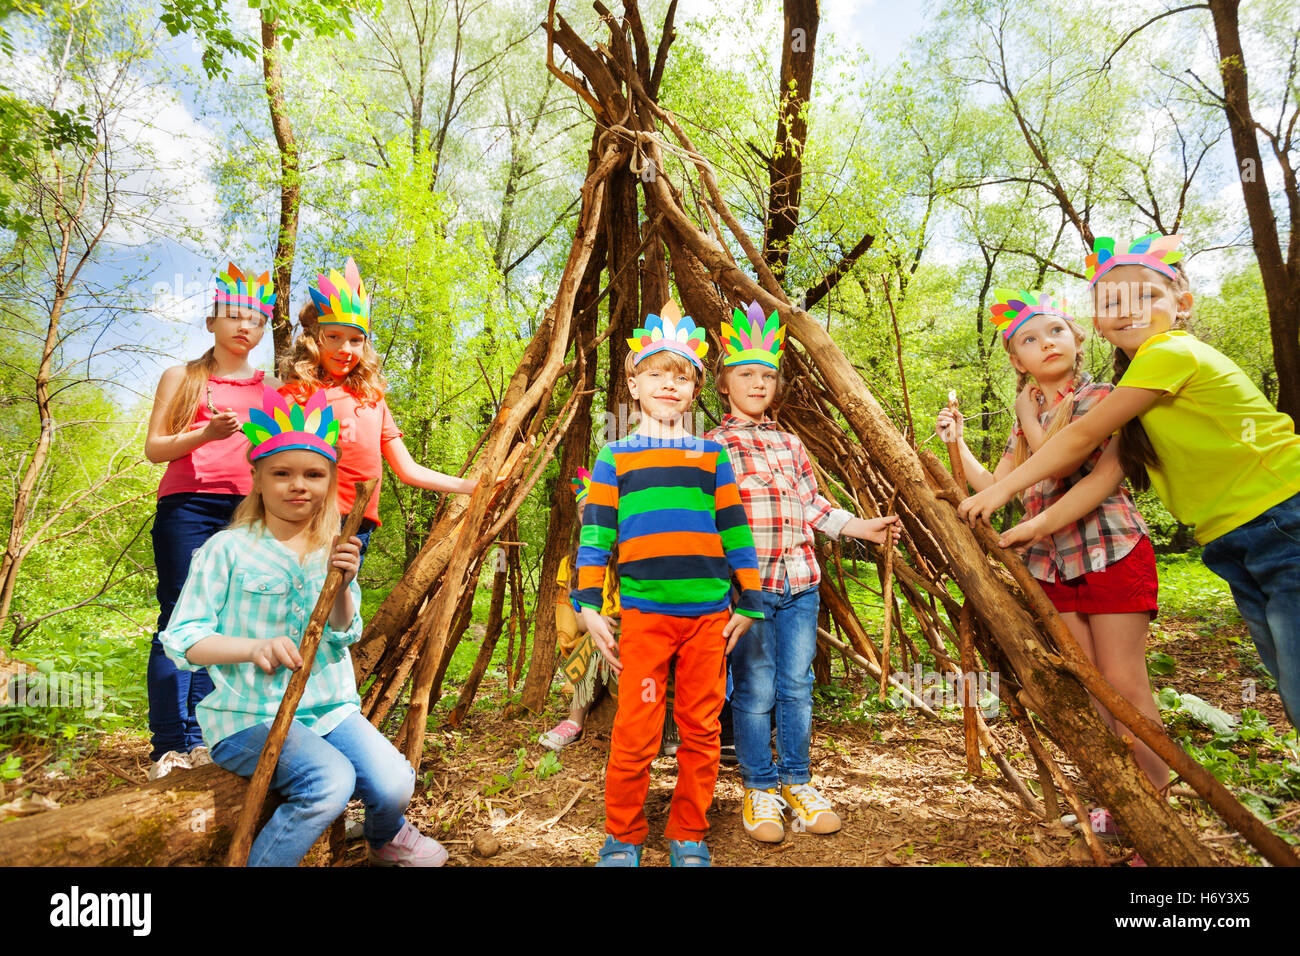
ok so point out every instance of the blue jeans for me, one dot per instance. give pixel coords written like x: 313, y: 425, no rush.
x: 1261, y: 561
x: 183, y: 523
x: 771, y: 669
x: 317, y: 776
x: 367, y: 529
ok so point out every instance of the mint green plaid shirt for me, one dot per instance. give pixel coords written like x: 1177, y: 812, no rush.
x: 245, y: 583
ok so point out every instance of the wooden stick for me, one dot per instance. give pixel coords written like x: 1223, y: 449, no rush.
x: 567, y: 807
x: 954, y: 447
x: 825, y: 637
x: 266, y: 764
x: 969, y: 713
x: 887, y: 592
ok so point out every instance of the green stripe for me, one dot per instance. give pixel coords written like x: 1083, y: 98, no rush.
x: 676, y: 590
x: 737, y: 537
x: 663, y: 499
x: 598, y: 536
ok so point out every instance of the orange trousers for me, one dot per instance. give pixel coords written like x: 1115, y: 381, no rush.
x: 648, y: 643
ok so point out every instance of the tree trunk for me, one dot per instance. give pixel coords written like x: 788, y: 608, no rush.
x: 286, y: 242
x: 785, y: 171
x: 187, y: 817
x: 1280, y: 276
x: 490, y: 634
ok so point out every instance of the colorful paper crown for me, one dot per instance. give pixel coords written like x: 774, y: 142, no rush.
x: 1012, y: 308
x: 1152, y: 250
x: 753, y: 339
x: 581, y: 485
x: 235, y: 288
x: 342, y: 299
x: 672, y: 332
x: 280, y: 425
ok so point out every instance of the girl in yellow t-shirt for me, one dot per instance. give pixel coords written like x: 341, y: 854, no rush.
x: 1194, y: 427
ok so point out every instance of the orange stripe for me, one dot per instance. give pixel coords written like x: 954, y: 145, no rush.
x: 662, y: 458
x: 599, y: 494
x: 748, y: 579
x: 670, y: 543
x: 726, y: 496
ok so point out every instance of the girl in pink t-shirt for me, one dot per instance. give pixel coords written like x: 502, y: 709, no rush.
x: 195, y: 428
x: 334, y: 353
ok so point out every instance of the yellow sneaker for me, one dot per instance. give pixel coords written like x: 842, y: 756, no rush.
x: 763, y: 813
x: 812, y: 813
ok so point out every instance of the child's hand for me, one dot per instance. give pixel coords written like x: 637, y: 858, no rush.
x: 467, y: 486
x: 347, y: 555
x: 601, y: 633
x: 1028, y: 403
x: 735, y: 629
x: 980, y: 507
x: 272, y: 653
x: 885, y: 530
x: 1023, y: 535
x: 221, y: 425
x: 949, y: 425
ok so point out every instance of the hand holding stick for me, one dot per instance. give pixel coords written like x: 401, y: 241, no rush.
x: 261, y: 779
x: 954, y: 447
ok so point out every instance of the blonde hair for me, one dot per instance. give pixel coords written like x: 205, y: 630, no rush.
x: 323, y: 526
x: 184, y: 405
x: 664, y: 359
x: 1064, y: 410
x: 303, y: 370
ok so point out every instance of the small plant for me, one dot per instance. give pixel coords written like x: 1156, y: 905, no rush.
x: 548, y: 766
x: 502, y: 782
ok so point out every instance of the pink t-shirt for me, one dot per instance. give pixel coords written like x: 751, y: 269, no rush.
x: 363, y: 430
x: 217, y: 467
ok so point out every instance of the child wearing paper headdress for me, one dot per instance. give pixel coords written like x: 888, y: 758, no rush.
x: 1192, y: 425
x: 194, y: 428
x: 670, y: 503
x: 583, y: 665
x: 241, y: 615
x: 772, y: 667
x: 334, y: 352
x: 1091, y: 552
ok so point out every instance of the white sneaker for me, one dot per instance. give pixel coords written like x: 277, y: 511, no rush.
x: 409, y: 848
x: 171, y: 760
x: 199, y: 757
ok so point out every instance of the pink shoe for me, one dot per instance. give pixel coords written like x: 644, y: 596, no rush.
x: 560, y: 736
x: 409, y: 848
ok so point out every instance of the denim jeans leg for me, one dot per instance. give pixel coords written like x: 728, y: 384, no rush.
x: 314, y: 778
x: 1260, y: 560
x: 796, y: 645
x: 753, y: 695
x: 385, y: 781
x: 182, y: 524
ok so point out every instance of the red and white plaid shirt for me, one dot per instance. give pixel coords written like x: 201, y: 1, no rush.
x: 779, y: 490
x: 1095, y: 541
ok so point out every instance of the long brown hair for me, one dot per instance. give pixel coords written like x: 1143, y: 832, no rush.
x: 1136, y: 453
x: 303, y: 370
x: 184, y: 405
x: 324, y: 525
x: 1064, y: 409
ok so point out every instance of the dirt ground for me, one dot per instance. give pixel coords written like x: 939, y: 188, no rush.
x: 898, y: 781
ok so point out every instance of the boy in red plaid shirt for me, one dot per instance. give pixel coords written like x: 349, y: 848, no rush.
x: 772, y: 665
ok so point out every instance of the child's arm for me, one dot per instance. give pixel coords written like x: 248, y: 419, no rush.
x: 1081, y: 500
x: 408, y: 472
x: 738, y: 546
x: 159, y: 444
x: 1027, y: 409
x: 1064, y: 452
x: 977, y: 476
x: 599, y: 532
x: 830, y: 520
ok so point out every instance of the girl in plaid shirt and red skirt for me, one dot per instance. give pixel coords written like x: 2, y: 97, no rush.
x: 1091, y: 552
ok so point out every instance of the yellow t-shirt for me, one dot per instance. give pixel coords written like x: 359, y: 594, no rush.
x: 610, y: 605
x: 1226, y: 454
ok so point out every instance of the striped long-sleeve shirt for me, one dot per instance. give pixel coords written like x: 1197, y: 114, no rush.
x: 675, y: 511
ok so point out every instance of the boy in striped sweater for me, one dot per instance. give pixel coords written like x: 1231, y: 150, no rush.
x: 670, y: 503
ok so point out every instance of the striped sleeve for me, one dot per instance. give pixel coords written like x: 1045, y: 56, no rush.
x: 818, y: 512
x: 599, y: 531
x: 737, y: 540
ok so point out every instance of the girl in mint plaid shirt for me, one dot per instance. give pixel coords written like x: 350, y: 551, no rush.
x: 1091, y: 552
x: 241, y: 614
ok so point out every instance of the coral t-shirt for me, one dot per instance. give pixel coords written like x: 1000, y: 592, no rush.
x: 363, y: 430
x: 217, y: 467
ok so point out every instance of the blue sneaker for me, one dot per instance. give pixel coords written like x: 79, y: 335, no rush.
x: 688, y: 853
x: 614, y: 853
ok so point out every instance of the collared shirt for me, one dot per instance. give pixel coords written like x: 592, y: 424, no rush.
x: 673, y: 509
x: 244, y: 583
x: 1095, y: 541
x: 779, y: 489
